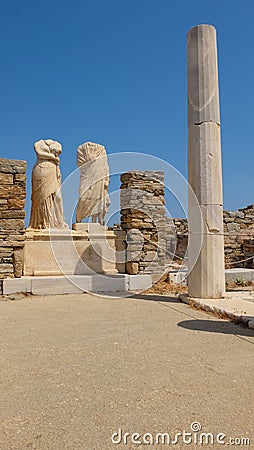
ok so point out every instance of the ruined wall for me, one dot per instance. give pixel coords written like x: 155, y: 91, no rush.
x: 12, y: 214
x: 149, y: 239
x: 181, y: 230
x: 238, y: 238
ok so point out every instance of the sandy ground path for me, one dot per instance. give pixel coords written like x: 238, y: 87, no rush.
x: 76, y: 368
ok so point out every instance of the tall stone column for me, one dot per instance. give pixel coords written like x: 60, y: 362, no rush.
x: 206, y: 277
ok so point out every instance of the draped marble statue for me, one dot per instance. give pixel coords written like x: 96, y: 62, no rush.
x: 47, y: 204
x: 94, y: 180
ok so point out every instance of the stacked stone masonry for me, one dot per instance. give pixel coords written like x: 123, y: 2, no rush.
x: 12, y: 214
x: 150, y: 238
x: 238, y: 237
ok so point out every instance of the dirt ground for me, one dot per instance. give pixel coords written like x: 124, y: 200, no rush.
x: 77, y: 368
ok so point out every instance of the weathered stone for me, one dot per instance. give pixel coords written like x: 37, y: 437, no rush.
x: 18, y: 237
x: 12, y: 166
x: 236, y: 214
x: 6, y: 268
x: 142, y: 207
x: 233, y: 227
x: 203, y: 92
x: 94, y: 180
x: 5, y: 251
x: 149, y: 256
x: 149, y: 246
x: 20, y: 177
x: 132, y: 268
x: 205, y: 163
x: 12, y: 191
x: 12, y: 214
x: 134, y: 247
x: 6, y: 178
x: 206, y: 244
x: 47, y: 204
x: 16, y: 203
x: 11, y: 224
x: 18, y: 262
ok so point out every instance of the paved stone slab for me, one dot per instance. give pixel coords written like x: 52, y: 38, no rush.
x: 14, y: 285
x: 240, y: 274
x: 236, y: 306
x: 59, y: 285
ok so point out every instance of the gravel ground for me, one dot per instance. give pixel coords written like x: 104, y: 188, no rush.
x: 76, y: 368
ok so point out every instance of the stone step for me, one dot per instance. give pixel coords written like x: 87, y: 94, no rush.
x: 76, y: 284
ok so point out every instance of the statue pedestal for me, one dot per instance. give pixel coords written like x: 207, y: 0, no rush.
x: 73, y: 252
x: 90, y: 228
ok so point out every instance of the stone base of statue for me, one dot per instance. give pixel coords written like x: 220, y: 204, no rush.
x: 90, y: 228
x: 88, y: 249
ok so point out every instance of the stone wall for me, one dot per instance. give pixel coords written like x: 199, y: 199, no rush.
x: 12, y: 214
x: 238, y: 237
x: 181, y: 230
x: 150, y: 240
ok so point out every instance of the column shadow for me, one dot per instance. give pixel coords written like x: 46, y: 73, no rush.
x: 216, y: 326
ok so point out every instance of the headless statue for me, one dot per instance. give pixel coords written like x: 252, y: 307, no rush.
x: 94, y: 180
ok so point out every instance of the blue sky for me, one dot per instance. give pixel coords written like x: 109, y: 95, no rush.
x: 114, y: 71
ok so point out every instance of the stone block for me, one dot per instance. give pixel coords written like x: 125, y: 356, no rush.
x: 12, y: 166
x: 19, y: 177
x: 18, y: 262
x: 11, y: 224
x: 16, y: 203
x: 45, y: 285
x: 60, y: 285
x: 108, y: 284
x: 140, y: 282
x: 178, y: 277
x: 6, y: 178
x: 15, y: 285
x: 73, y: 252
x: 233, y: 227
x: 149, y: 256
x: 6, y: 268
x: 12, y: 192
x: 239, y: 274
x: 12, y: 214
x: 132, y: 268
x: 89, y: 227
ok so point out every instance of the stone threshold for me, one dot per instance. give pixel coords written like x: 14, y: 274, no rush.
x: 76, y: 284
x: 237, y: 306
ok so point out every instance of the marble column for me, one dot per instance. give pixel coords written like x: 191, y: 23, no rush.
x: 206, y: 277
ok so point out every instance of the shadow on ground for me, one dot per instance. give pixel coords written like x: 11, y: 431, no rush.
x: 155, y: 298
x: 147, y: 297
x: 216, y: 326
